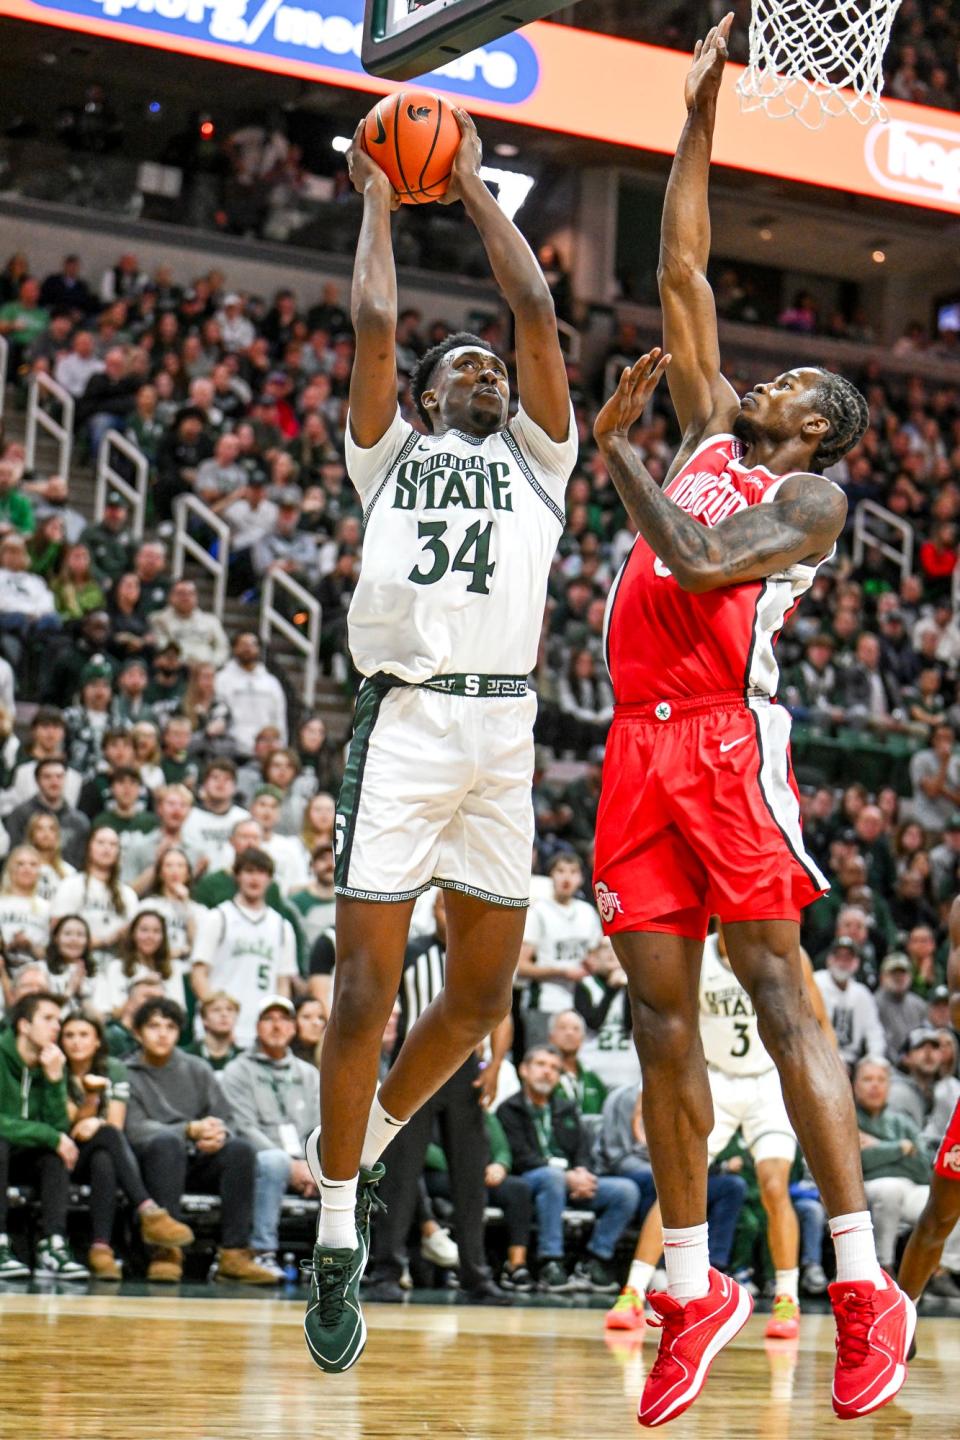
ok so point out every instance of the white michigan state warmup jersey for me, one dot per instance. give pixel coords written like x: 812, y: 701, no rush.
x: 445, y: 622
x: 744, y: 1082
x: 247, y: 953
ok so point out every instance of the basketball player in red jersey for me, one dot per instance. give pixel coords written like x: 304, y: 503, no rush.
x: 942, y: 1210
x: 699, y: 813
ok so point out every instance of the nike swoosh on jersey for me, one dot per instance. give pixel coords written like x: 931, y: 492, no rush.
x: 726, y: 745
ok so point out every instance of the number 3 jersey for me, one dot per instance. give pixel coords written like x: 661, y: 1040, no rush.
x: 728, y: 1021
x: 459, y: 535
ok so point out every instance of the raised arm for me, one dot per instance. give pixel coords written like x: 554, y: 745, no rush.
x: 800, y: 525
x: 704, y: 401
x: 373, y: 305
x: 541, y: 372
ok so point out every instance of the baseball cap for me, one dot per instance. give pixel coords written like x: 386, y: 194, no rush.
x: 845, y: 942
x: 277, y: 377
x: 919, y: 1035
x: 939, y: 995
x: 275, y: 1002
x: 97, y: 668
x: 896, y: 961
x: 115, y: 498
x: 232, y: 299
x: 289, y: 495
x: 273, y: 791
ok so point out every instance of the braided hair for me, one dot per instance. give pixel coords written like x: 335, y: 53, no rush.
x: 842, y: 404
x: 427, y: 364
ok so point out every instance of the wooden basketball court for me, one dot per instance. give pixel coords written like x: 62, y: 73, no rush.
x: 170, y: 1368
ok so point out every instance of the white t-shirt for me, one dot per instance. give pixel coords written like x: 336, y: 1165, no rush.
x: 459, y: 537
x: 49, y: 882
x: 25, y: 915
x: 247, y: 953
x: 292, y: 864
x: 728, y: 1021
x: 83, y: 895
x: 205, y: 833
x: 111, y: 986
x: 560, y: 935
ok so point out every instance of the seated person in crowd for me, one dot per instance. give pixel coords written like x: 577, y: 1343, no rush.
x: 913, y: 1087
x: 120, y: 1038
x: 288, y: 855
x: 218, y: 1045
x: 180, y: 1127
x: 582, y: 1086
x: 255, y: 697
x: 126, y: 813
x: 897, y: 1169
x: 851, y: 1008
x: 97, y: 1094
x: 245, y: 947
x: 199, y: 633
x: 35, y: 1145
x: 207, y: 829
x: 552, y: 1152
x: 275, y: 1100
x: 316, y: 902
x: 47, y: 741
x: 900, y: 1010
x: 562, y: 935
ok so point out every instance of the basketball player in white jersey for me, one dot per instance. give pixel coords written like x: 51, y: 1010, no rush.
x: 745, y: 1088
x: 461, y: 523
x: 245, y: 947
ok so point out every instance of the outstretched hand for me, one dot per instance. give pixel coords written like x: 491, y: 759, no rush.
x: 468, y: 159
x: 709, y: 58
x: 364, y: 171
x: 629, y: 400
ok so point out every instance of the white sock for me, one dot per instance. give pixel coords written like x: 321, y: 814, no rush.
x: 788, y: 1283
x: 687, y: 1259
x: 856, y: 1252
x: 338, y: 1202
x: 640, y: 1276
x: 381, y: 1128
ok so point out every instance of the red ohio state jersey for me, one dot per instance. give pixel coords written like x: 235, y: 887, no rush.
x: 662, y: 642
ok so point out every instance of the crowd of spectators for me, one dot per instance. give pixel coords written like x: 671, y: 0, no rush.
x: 166, y: 779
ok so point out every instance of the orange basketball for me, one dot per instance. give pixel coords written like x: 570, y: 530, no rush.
x: 413, y: 136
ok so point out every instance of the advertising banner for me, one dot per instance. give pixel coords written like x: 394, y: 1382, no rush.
x: 550, y: 76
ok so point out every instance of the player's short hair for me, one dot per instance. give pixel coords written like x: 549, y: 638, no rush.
x: 426, y: 366
x: 840, y: 402
x: 543, y: 1049
x: 28, y: 1005
x: 159, y: 1005
x: 253, y: 858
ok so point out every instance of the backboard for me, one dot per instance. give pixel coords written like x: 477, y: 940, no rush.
x: 404, y: 38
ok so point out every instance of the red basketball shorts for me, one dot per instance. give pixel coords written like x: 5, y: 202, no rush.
x: 947, y: 1163
x: 700, y: 815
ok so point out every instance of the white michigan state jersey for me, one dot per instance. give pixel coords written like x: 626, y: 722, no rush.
x: 459, y: 537
x: 728, y: 1021
x: 247, y: 953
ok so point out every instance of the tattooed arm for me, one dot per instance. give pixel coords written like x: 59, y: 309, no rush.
x: 800, y: 525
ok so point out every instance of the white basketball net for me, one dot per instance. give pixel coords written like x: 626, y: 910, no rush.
x: 817, y: 58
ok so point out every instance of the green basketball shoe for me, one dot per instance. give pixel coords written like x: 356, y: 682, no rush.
x: 333, y: 1325
x: 368, y: 1200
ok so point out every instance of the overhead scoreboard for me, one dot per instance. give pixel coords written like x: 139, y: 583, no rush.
x: 404, y: 38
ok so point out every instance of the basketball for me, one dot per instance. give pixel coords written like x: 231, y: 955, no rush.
x: 413, y: 136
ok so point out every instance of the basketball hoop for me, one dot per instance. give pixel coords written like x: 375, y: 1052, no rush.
x: 817, y: 58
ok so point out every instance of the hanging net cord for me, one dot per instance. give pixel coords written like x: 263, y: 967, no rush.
x: 817, y: 58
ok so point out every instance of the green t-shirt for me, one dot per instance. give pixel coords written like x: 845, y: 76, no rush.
x: 28, y: 321
x: 16, y: 509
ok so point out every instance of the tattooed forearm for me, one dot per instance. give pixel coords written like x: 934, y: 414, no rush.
x: 756, y: 542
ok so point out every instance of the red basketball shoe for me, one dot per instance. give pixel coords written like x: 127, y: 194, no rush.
x: 874, y: 1334
x: 693, y: 1335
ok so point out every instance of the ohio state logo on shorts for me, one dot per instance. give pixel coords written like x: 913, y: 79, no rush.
x: 950, y: 1159
x: 608, y: 902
